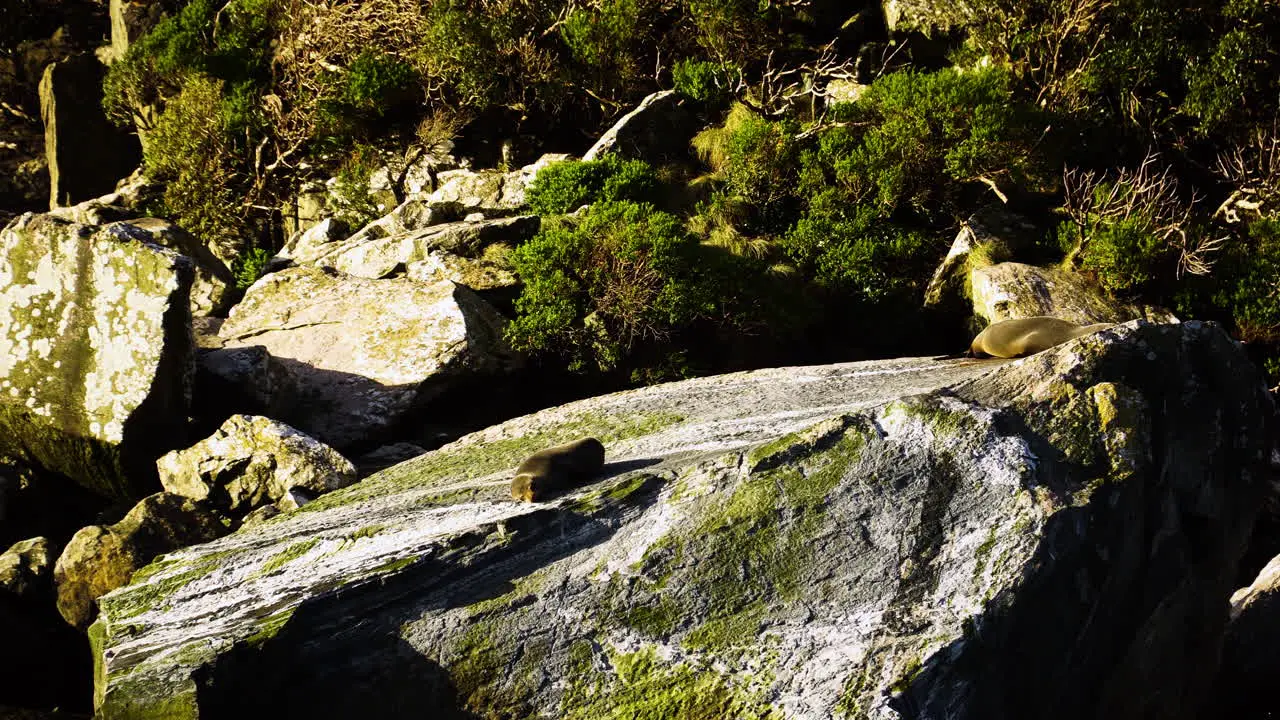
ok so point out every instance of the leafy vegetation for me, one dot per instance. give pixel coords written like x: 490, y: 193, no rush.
x: 803, y: 214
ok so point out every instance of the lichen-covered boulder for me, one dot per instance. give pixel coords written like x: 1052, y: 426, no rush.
x: 656, y: 130
x: 989, y: 236
x: 214, y: 287
x: 95, y: 352
x: 1052, y: 537
x: 26, y: 568
x: 1014, y: 290
x: 359, y: 354
x: 100, y: 559
x: 253, y: 461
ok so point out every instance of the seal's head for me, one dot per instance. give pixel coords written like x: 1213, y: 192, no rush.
x: 522, y: 487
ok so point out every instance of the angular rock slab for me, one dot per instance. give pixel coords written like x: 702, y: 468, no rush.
x: 902, y: 538
x: 657, y: 129
x: 99, y: 559
x: 357, y: 353
x: 253, y: 461
x: 1014, y: 290
x: 95, y: 352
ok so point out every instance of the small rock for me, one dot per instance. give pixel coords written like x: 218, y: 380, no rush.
x: 100, y: 559
x: 26, y: 568
x: 253, y: 461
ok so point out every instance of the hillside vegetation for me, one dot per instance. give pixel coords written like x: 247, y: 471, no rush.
x: 1141, y: 136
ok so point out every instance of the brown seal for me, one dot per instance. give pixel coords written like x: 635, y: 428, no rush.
x: 558, y: 468
x: 1026, y: 336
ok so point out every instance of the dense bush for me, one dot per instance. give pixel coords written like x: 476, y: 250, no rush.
x: 373, y: 87
x: 1249, y: 281
x: 596, y: 288
x: 566, y: 186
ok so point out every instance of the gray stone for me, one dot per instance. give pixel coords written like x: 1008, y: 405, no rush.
x: 95, y: 352
x: 359, y: 354
x: 927, y: 16
x: 253, y: 461
x: 85, y: 153
x: 451, y: 245
x: 989, y: 236
x: 214, y: 288
x: 1051, y: 537
x: 316, y: 241
x: 26, y: 568
x: 99, y: 559
x: 491, y: 192
x: 1246, y: 680
x: 657, y: 130
x: 1014, y: 290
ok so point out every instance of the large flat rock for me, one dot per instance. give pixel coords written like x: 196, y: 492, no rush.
x: 96, y: 354
x: 904, y: 538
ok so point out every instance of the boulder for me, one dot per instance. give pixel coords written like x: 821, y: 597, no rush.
x: 100, y: 559
x: 214, y: 287
x: 358, y: 354
x: 1249, y: 663
x: 927, y: 16
x: 253, y: 461
x: 455, y: 245
x: 95, y: 352
x: 1014, y: 290
x: 86, y: 154
x: 989, y: 236
x: 1052, y: 537
x: 26, y: 568
x: 492, y: 192
x: 658, y: 130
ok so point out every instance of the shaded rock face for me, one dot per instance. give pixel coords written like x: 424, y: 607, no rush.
x: 1246, y: 680
x: 254, y: 461
x: 95, y: 352
x: 894, y: 539
x: 236, y: 380
x: 657, y: 130
x: 1013, y: 290
x: 86, y: 154
x: 99, y: 559
x: 359, y: 354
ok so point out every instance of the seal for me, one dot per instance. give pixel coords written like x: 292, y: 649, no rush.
x: 558, y: 468
x: 1026, y: 336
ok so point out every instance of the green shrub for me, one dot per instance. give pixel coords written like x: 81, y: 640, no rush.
x: 603, y: 40
x: 374, y: 86
x: 853, y: 251
x: 190, y: 151
x: 1238, y: 83
x: 1248, y: 281
x: 913, y: 139
x: 354, y: 205
x: 1125, y: 255
x: 700, y: 80
x: 566, y: 186
x: 249, y: 265
x: 597, y: 289
x: 754, y: 161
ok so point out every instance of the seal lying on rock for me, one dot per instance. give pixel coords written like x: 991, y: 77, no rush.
x: 558, y: 468
x: 1026, y: 336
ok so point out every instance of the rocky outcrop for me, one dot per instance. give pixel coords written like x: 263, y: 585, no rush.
x: 1246, y: 680
x: 903, y: 538
x: 657, y: 130
x: 26, y: 568
x: 99, y: 559
x: 491, y: 192
x: 86, y: 154
x: 359, y: 354
x: 990, y: 236
x: 1014, y: 290
x: 451, y: 251
x: 95, y: 352
x: 254, y: 461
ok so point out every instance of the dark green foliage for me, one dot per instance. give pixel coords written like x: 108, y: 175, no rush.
x: 606, y: 41
x: 567, y: 186
x: 1238, y: 83
x: 1125, y: 255
x: 911, y: 132
x: 1249, y: 281
x: 374, y: 87
x: 851, y: 249
x: 699, y: 80
x: 622, y: 279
